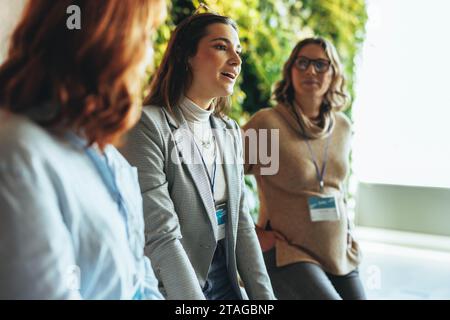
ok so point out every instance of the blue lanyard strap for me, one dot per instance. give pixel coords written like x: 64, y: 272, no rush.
x: 212, y: 176
x: 320, y: 173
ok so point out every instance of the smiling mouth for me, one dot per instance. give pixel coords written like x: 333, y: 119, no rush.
x: 229, y: 75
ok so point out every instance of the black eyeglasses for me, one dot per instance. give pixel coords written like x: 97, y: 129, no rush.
x: 320, y: 65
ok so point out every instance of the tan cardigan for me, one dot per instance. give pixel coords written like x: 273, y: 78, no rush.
x: 283, y: 196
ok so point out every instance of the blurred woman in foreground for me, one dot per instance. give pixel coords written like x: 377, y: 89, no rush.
x: 71, y: 210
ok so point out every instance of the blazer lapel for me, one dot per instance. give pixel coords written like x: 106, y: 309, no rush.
x: 191, y: 159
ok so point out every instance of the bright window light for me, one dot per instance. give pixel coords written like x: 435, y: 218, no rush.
x: 402, y: 108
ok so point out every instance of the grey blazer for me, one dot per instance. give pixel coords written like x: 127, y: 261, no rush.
x: 180, y: 222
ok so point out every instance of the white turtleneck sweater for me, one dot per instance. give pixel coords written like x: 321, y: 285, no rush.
x: 198, y: 121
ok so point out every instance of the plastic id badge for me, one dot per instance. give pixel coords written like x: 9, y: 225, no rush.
x: 323, y: 208
x: 222, y: 217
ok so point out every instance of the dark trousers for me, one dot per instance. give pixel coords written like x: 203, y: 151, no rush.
x: 308, y: 281
x: 218, y: 284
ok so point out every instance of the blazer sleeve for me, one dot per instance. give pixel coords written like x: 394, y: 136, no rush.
x: 250, y: 262
x: 37, y: 259
x: 145, y: 148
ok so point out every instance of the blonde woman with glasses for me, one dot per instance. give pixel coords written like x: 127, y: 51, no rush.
x: 303, y: 227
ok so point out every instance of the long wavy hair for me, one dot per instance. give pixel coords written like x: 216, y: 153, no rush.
x: 82, y: 80
x: 174, y: 75
x: 335, y: 99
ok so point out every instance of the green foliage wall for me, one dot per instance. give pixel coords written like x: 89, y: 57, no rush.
x: 268, y: 31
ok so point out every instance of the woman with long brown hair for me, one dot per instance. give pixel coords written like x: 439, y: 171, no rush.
x: 71, y: 211
x: 303, y: 225
x: 199, y: 234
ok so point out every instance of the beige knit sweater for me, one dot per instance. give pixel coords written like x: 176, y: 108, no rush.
x: 283, y: 196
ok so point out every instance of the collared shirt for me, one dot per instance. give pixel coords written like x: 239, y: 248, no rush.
x: 62, y: 235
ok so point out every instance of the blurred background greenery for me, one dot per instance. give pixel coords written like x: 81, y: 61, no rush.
x: 268, y: 31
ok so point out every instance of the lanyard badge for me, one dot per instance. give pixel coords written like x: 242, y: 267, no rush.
x: 325, y: 207
x: 222, y: 217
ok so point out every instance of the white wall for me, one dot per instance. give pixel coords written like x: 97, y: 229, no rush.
x: 402, y: 110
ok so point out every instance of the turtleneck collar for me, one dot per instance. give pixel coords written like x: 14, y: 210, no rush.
x: 193, y: 113
x: 303, y: 125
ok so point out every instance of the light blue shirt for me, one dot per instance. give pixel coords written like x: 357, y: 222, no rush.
x: 62, y: 234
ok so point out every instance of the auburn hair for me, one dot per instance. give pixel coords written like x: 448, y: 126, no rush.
x: 81, y: 79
